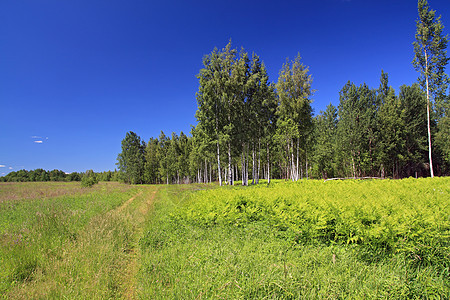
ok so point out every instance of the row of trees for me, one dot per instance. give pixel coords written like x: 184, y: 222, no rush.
x: 377, y: 133
x: 249, y: 128
x: 373, y: 132
x: 57, y: 175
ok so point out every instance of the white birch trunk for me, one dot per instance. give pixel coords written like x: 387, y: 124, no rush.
x: 243, y: 165
x: 210, y: 172
x: 205, y: 173
x: 259, y: 162
x: 218, y: 163
x: 268, y: 164
x: 246, y: 167
x: 428, y: 117
x: 298, y: 146
x: 293, y: 171
x: 229, y: 179
x: 353, y: 165
x: 253, y: 164
x: 306, y: 162
x: 232, y: 174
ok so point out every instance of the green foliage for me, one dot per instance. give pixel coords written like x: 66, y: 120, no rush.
x: 391, y: 142
x: 249, y: 123
x: 430, y: 60
x: 236, y: 106
x: 308, y: 239
x: 89, y: 179
x: 37, y: 175
x: 408, y: 216
x: 294, y: 114
x: 40, y: 175
x: 325, y: 127
x: 151, y: 162
x: 357, y: 129
x: 443, y: 134
x: 131, y: 160
x: 430, y: 52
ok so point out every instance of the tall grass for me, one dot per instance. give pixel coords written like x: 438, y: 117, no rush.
x: 348, y: 239
x: 37, y: 234
x: 310, y: 240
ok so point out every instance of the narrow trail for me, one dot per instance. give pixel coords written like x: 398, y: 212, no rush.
x: 126, y: 203
x: 102, y: 260
x: 130, y: 276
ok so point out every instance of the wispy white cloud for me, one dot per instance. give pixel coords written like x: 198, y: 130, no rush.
x: 39, y: 139
x: 10, y: 168
x: 2, y: 166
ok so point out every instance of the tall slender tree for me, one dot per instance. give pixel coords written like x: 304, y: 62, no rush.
x: 151, y: 161
x: 430, y: 60
x: 413, y: 101
x: 131, y: 160
x: 215, y: 98
x: 294, y: 91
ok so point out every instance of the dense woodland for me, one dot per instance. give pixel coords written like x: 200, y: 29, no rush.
x: 250, y: 129
x: 373, y: 132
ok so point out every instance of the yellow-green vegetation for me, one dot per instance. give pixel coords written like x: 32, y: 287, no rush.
x: 373, y: 239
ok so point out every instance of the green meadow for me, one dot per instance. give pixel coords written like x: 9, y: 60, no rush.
x: 350, y: 239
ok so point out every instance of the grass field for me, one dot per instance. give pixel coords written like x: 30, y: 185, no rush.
x: 309, y: 240
x: 58, y: 240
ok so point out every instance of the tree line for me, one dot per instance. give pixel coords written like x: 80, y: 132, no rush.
x: 250, y: 129
x: 57, y: 175
x: 372, y: 132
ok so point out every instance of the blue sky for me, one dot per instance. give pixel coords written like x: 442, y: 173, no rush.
x: 76, y: 75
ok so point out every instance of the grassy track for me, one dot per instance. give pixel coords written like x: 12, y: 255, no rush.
x: 78, y: 246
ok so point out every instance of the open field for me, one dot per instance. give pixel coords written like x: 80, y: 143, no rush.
x: 74, y: 245
x: 311, y: 239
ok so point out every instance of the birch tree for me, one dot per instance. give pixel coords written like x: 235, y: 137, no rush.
x: 294, y: 92
x: 210, y: 112
x: 430, y: 60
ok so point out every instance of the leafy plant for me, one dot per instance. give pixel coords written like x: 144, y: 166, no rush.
x: 89, y: 179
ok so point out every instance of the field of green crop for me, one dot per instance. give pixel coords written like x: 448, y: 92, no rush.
x: 352, y: 239
x: 374, y: 239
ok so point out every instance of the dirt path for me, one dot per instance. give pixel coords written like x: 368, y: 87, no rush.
x: 124, y: 205
x: 132, y: 270
x: 102, y: 261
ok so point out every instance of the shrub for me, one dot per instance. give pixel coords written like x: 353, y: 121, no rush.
x: 89, y: 179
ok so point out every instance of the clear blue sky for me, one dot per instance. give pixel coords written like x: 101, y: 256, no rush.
x: 76, y: 75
